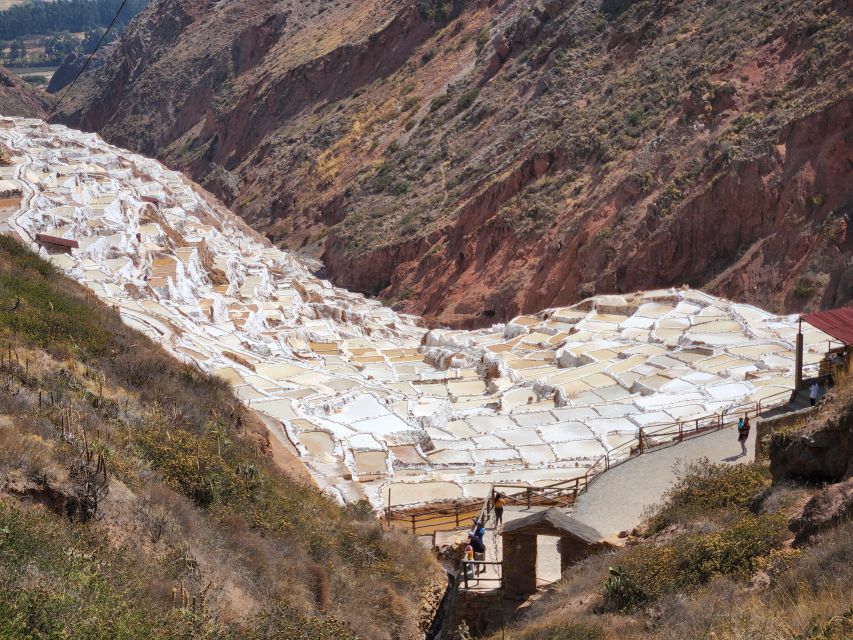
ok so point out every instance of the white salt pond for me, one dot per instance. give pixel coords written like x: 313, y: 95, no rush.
x: 374, y: 403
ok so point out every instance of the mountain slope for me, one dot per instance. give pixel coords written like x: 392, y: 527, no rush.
x: 17, y: 98
x: 469, y: 160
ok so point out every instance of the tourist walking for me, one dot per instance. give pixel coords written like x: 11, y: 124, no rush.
x: 500, y: 502
x: 814, y: 392
x: 479, y: 548
x: 743, y: 433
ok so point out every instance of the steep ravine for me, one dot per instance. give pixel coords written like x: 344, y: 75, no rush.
x: 470, y: 160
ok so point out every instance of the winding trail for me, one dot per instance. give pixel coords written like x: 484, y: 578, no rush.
x: 618, y: 499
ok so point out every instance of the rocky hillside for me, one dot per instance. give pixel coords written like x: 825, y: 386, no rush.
x: 139, y: 499
x: 470, y: 159
x: 17, y: 98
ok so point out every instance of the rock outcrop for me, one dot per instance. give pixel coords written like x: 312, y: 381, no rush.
x: 821, y: 455
x: 473, y: 160
x: 66, y: 72
x: 831, y: 506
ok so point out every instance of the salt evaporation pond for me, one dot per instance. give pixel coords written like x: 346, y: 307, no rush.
x: 374, y: 403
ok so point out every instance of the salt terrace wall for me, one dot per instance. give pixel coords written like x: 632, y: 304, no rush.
x: 374, y: 403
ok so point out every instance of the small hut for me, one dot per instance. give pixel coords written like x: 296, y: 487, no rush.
x: 577, y: 541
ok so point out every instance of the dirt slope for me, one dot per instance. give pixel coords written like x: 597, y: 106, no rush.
x: 468, y: 160
x: 17, y: 98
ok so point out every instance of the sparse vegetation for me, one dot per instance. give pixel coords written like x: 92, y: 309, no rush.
x: 682, y: 95
x: 467, y: 99
x: 805, y: 289
x: 199, y: 534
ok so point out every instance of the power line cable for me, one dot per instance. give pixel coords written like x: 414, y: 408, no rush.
x: 88, y: 60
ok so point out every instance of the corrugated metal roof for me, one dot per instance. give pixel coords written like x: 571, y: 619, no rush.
x: 836, y: 322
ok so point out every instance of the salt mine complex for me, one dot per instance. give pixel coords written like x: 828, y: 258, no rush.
x: 377, y: 405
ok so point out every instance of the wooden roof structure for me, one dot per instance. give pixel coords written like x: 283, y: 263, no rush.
x: 552, y: 522
x: 59, y: 242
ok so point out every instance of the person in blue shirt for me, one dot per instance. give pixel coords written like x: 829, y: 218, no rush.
x: 479, y: 530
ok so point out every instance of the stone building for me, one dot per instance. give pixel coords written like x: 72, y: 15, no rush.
x: 576, y: 541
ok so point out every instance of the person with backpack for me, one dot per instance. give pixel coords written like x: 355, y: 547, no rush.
x: 743, y: 433
x: 479, y: 530
x: 479, y: 548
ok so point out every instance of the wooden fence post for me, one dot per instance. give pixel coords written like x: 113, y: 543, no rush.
x: 413, y: 524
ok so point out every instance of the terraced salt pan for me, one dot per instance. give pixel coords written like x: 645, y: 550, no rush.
x: 370, y: 399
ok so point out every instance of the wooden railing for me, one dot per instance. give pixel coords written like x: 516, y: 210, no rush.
x: 472, y: 573
x: 462, y: 515
x: 565, y: 492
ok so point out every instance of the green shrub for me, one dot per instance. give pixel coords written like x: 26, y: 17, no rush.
x: 410, y: 103
x: 467, y: 99
x: 650, y: 571
x: 805, y: 289
x: 438, y: 102
x: 704, y: 487
x: 483, y: 38
x: 635, y: 116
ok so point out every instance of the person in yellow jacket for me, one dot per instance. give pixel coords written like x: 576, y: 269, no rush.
x: 500, y: 503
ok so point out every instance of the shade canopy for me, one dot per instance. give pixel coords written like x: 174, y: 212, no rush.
x: 837, y: 323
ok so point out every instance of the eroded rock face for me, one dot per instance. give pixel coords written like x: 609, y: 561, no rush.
x: 823, y: 455
x: 832, y: 505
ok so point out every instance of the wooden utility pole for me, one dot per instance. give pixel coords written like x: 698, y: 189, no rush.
x: 798, y: 363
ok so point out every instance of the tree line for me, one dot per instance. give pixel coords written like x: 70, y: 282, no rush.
x: 56, y: 47
x: 43, y: 18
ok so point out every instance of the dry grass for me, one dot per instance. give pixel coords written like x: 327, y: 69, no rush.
x: 205, y: 537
